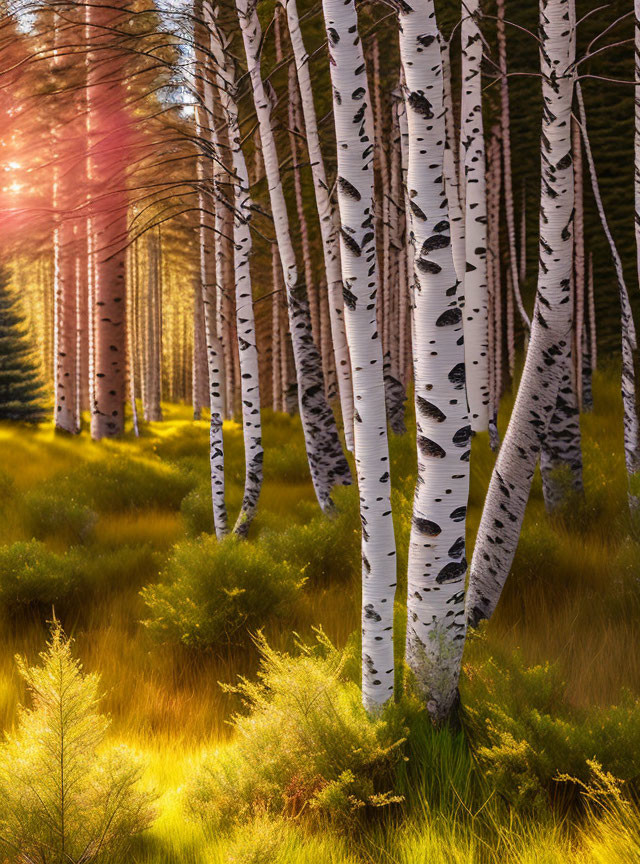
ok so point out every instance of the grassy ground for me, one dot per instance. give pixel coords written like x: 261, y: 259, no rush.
x: 559, y: 607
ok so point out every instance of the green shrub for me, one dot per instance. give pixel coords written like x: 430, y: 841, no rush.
x: 33, y: 575
x: 306, y: 745
x: 197, y: 511
x: 325, y: 548
x: 211, y: 592
x: 526, y: 734
x: 30, y: 574
x: 49, y: 513
x: 123, y: 483
x: 62, y: 797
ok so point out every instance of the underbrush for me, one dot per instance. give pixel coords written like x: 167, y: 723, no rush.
x: 525, y: 734
x: 305, y: 745
x: 210, y: 593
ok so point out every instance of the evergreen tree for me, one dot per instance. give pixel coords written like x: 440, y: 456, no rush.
x: 21, y: 388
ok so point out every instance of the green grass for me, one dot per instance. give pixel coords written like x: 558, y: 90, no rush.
x: 571, y: 601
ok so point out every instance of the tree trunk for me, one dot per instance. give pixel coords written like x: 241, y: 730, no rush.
x: 510, y: 484
x: 327, y: 462
x: 437, y: 564
x: 245, y: 321
x: 494, y: 174
x: 354, y: 130
x: 629, y: 341
x: 505, y: 123
x: 107, y: 182
x: 578, y: 262
x: 153, y: 343
x: 474, y: 191
x: 329, y: 228
x: 65, y: 309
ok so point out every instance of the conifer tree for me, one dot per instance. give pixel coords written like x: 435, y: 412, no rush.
x: 21, y: 393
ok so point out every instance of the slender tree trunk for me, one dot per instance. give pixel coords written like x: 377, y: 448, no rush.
x: 505, y: 122
x: 578, y: 262
x: 327, y: 462
x: 199, y: 378
x: 245, y: 321
x: 494, y: 174
x: 475, y: 283
x: 629, y: 341
x: 437, y: 564
x: 107, y: 180
x: 131, y: 365
x: 276, y: 359
x: 590, y: 350
x: 510, y: 484
x: 216, y: 378
x: 329, y: 228
x: 394, y: 391
x: 65, y: 308
x: 354, y: 129
x: 153, y: 342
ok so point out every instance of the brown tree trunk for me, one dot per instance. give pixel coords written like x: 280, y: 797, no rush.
x: 107, y: 179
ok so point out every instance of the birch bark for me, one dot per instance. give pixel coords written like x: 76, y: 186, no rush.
x: 474, y: 305
x: 510, y: 484
x: 437, y: 565
x: 327, y: 462
x: 329, y: 228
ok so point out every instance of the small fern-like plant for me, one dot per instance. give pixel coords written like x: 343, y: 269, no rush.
x: 64, y: 797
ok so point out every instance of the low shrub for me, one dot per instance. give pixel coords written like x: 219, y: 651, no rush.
x: 62, y: 796
x: 526, y: 734
x: 48, y: 513
x: 327, y: 548
x: 211, y: 592
x: 197, y: 511
x: 306, y: 745
x: 123, y: 483
x: 31, y: 574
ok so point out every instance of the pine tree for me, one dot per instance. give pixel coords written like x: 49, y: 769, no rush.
x: 21, y: 389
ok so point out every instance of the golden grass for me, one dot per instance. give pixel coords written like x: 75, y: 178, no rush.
x: 168, y: 702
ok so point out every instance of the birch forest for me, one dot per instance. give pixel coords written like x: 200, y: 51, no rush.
x: 319, y: 432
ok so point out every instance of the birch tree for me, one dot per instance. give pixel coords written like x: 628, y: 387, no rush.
x: 329, y: 228
x: 472, y: 154
x: 629, y: 337
x: 216, y: 378
x: 327, y: 462
x: 437, y: 564
x: 354, y: 137
x: 107, y: 179
x: 535, y: 403
x: 245, y: 321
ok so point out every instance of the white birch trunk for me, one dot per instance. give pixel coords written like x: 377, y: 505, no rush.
x: 245, y: 320
x: 354, y: 130
x: 437, y: 565
x: 327, y: 462
x: 510, y: 484
x: 329, y: 228
x: 214, y: 350
x: 629, y: 340
x: 475, y: 283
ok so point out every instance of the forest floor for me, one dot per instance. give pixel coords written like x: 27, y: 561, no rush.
x: 562, y: 646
